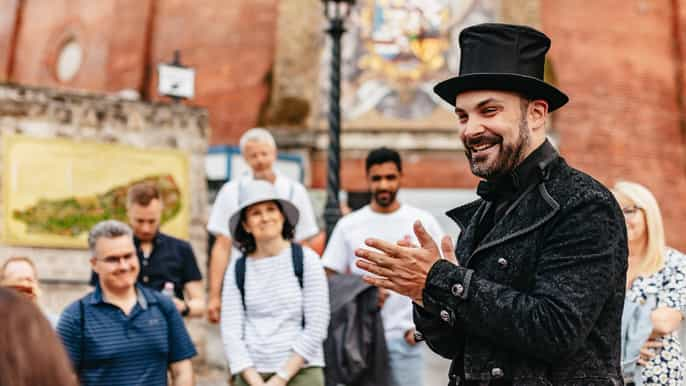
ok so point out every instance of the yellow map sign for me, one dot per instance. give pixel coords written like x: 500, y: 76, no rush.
x: 54, y: 190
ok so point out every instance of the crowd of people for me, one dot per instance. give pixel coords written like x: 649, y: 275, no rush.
x: 554, y: 279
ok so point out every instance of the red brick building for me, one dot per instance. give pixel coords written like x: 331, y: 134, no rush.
x: 621, y: 63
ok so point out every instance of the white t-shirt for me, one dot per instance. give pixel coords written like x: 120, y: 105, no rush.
x: 350, y: 233
x: 226, y: 204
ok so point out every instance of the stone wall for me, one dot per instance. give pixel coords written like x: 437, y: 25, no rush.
x: 46, y: 113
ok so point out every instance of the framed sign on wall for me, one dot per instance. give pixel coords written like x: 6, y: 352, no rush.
x: 55, y: 190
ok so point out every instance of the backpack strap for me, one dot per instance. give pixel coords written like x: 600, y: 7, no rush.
x: 298, y: 269
x: 298, y: 265
x: 240, y: 278
x: 166, y: 311
x: 82, y: 313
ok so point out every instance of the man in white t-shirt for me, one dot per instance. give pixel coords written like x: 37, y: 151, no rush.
x: 258, y: 149
x: 387, y: 219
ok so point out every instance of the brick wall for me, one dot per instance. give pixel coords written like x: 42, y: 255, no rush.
x: 111, y: 35
x: 619, y: 66
x: 8, y: 19
x: 230, y: 44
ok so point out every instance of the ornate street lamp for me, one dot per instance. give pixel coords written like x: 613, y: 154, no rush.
x: 336, y: 11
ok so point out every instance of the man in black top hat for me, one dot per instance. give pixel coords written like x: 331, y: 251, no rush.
x: 533, y: 292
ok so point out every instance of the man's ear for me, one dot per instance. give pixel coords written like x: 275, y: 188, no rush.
x: 93, y: 262
x: 537, y: 113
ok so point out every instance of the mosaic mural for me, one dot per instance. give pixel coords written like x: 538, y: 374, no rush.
x: 396, y: 50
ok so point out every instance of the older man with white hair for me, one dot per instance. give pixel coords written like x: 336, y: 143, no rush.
x: 258, y: 149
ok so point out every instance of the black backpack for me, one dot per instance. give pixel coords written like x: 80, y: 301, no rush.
x: 296, y: 256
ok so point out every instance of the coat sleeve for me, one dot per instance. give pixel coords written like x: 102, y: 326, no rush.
x: 582, y: 260
x: 441, y: 338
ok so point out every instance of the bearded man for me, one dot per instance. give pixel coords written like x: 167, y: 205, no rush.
x: 388, y: 219
x: 533, y: 292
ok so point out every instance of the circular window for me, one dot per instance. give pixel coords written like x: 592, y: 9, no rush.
x: 69, y: 60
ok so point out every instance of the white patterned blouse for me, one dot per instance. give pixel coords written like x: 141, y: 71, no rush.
x: 669, y: 287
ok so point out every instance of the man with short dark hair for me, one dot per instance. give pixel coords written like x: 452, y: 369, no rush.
x: 123, y: 333
x: 388, y: 219
x: 533, y: 292
x: 167, y: 264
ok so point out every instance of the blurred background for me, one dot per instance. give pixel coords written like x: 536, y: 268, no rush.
x: 77, y: 73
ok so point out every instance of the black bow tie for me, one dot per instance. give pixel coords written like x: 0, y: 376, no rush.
x: 493, y: 191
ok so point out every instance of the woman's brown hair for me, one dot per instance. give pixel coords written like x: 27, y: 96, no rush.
x: 32, y: 353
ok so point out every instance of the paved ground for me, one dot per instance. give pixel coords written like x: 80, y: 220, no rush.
x: 435, y: 372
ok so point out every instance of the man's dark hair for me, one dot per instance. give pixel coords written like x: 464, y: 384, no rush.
x: 246, y: 241
x: 142, y: 194
x: 382, y: 155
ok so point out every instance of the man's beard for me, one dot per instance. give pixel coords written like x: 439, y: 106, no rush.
x: 508, y: 157
x: 384, y: 202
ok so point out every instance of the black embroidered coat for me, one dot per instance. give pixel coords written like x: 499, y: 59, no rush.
x: 539, y: 300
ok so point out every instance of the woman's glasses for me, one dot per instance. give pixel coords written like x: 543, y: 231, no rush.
x: 630, y: 210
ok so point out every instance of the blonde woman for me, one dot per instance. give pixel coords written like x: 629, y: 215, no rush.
x: 659, y: 271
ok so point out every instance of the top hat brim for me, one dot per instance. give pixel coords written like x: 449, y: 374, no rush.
x: 528, y: 86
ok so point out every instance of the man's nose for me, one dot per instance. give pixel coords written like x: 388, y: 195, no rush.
x: 472, y: 128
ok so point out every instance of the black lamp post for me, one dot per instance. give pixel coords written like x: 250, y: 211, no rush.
x: 336, y: 11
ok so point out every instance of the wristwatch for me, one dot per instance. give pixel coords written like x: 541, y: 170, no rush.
x: 186, y: 309
x: 283, y: 374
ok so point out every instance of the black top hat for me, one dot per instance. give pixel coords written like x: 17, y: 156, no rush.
x: 502, y: 57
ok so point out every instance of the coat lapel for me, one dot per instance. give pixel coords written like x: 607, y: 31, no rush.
x: 530, y: 211
x: 467, y: 218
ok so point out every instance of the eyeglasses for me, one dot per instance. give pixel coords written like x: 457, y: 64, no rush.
x: 631, y: 210
x: 116, y: 260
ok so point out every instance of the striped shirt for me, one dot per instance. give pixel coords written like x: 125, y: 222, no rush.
x: 128, y: 350
x: 270, y: 329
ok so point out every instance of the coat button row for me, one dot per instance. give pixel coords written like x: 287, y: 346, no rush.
x: 457, y: 289
x: 445, y: 316
x: 503, y: 263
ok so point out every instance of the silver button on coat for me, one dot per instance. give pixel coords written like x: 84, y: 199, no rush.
x: 457, y: 289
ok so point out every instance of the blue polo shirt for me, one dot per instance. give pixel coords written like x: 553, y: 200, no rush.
x: 108, y: 347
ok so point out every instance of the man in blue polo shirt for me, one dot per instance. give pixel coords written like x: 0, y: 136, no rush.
x: 166, y: 263
x: 123, y: 333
